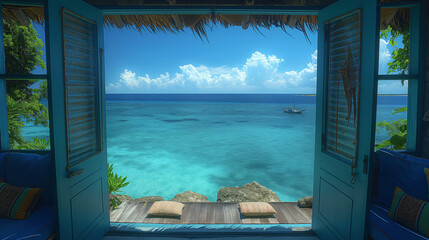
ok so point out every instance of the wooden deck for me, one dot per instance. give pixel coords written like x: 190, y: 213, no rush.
x: 211, y: 213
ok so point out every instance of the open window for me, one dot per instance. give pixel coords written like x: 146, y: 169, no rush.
x: 24, y: 79
x: 398, y: 77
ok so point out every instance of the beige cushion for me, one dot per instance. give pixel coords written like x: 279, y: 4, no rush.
x: 166, y: 209
x: 256, y: 209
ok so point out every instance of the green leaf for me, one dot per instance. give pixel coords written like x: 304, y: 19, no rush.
x: 398, y: 141
x: 403, y: 128
x: 399, y: 110
x: 115, y: 183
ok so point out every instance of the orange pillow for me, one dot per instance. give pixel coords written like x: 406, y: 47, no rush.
x: 166, y: 209
x: 256, y: 209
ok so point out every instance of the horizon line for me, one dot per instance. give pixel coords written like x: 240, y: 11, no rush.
x: 301, y: 94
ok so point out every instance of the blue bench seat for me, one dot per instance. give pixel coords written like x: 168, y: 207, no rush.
x: 29, y: 170
x: 382, y: 227
x: 40, y: 225
x: 395, y: 169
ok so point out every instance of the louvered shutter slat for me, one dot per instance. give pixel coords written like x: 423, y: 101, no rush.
x: 341, y: 133
x: 81, y: 82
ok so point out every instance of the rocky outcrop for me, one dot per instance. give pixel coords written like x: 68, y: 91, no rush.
x: 149, y: 199
x: 306, y: 202
x: 251, y: 192
x: 189, y: 196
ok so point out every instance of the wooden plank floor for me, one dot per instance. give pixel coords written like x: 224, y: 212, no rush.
x: 211, y: 213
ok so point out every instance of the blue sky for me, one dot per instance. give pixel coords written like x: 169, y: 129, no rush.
x: 232, y: 61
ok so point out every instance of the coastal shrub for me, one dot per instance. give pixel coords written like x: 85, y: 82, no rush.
x: 35, y: 144
x: 116, y: 182
x: 396, y: 130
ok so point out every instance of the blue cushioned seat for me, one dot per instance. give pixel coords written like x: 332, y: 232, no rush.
x: 383, y: 227
x: 31, y: 170
x: 402, y: 170
x: 40, y: 225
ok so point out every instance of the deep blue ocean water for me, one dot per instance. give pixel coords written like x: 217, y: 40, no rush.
x: 170, y: 143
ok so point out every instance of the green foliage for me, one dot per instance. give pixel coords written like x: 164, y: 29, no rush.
x: 116, y: 182
x: 23, y: 48
x: 15, y: 121
x: 400, y: 56
x: 397, y: 131
x: 35, y: 144
x: 23, y: 54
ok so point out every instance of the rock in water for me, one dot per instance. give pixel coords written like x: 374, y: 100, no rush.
x: 306, y: 202
x: 189, y: 196
x: 149, y: 199
x: 251, y: 192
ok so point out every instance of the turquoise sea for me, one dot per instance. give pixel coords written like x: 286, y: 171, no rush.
x: 169, y: 143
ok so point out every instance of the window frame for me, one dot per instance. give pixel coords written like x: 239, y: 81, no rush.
x: 4, y: 135
x: 415, y: 74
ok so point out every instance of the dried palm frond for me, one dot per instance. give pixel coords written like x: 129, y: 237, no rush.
x: 23, y: 14
x: 398, y: 19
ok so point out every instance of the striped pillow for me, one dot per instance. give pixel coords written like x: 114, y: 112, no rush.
x: 410, y: 212
x: 256, y: 209
x: 166, y: 209
x: 17, y: 202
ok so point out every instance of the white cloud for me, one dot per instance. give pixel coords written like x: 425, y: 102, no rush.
x: 384, y: 57
x: 303, y: 81
x: 260, y: 73
x: 129, y: 79
x: 392, y: 87
x: 314, y: 56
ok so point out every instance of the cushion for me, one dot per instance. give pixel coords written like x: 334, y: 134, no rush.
x: 40, y: 225
x: 382, y: 227
x: 17, y: 202
x: 166, y: 209
x: 256, y: 209
x: 3, y: 166
x: 32, y: 170
x: 410, y: 212
x: 402, y: 170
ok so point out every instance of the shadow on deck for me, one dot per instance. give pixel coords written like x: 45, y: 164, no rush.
x: 211, y: 213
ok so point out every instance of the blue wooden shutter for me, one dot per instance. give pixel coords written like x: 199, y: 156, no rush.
x: 344, y: 39
x: 81, y: 83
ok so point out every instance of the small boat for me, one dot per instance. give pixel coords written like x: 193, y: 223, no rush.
x: 291, y: 109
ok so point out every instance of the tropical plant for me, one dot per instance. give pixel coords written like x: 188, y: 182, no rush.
x: 396, y: 130
x: 116, y: 182
x: 400, y: 56
x: 15, y: 121
x: 23, y: 54
x: 36, y: 144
